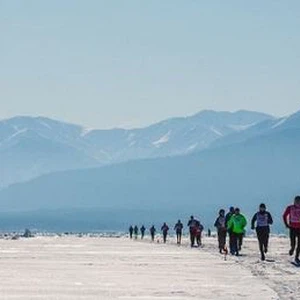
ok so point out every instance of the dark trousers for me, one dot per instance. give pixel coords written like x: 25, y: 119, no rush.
x: 231, y: 242
x: 295, y: 240
x: 222, y: 238
x: 237, y: 242
x: 192, y: 237
x: 152, y: 237
x: 199, y: 239
x: 179, y: 235
x: 241, y: 241
x: 263, y: 234
x: 165, y: 237
x: 143, y: 235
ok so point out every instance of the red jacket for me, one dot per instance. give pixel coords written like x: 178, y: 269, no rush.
x: 291, y: 216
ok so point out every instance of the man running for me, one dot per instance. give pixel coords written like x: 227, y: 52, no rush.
x: 231, y: 239
x: 152, y: 232
x: 130, y: 231
x: 263, y: 220
x: 136, y: 232
x: 209, y: 232
x: 237, y: 225
x: 143, y: 229
x: 291, y: 218
x: 199, y: 230
x: 165, y: 230
x: 178, y: 229
x: 192, y: 224
x: 220, y: 225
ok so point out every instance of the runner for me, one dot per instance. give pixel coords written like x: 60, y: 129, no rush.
x: 152, y: 233
x: 136, y: 232
x: 178, y: 229
x: 199, y: 230
x: 220, y: 224
x: 192, y: 224
x: 130, y: 231
x: 236, y: 225
x: 209, y: 232
x: 291, y: 218
x: 231, y: 239
x: 143, y: 229
x: 263, y: 220
x: 165, y: 230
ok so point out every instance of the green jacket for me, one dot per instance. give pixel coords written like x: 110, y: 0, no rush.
x: 237, y: 223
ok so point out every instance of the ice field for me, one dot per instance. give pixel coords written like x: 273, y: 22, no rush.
x: 117, y: 268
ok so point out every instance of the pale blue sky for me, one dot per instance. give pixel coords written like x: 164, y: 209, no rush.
x: 133, y: 62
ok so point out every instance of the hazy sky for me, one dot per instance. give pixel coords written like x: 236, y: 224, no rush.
x: 133, y: 62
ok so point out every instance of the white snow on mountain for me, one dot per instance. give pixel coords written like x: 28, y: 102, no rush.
x: 192, y: 147
x: 280, y: 122
x: 85, y: 131
x: 217, y: 132
x: 241, y: 127
x: 45, y: 124
x: 14, y: 135
x: 162, y: 140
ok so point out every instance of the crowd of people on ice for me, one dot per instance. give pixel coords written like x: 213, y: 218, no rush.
x: 232, y: 225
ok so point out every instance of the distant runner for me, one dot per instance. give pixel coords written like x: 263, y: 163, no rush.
x: 231, y: 239
x: 143, y: 229
x: 136, y: 232
x: 199, y: 230
x: 220, y: 225
x: 130, y: 231
x: 263, y: 220
x: 178, y: 229
x: 236, y: 225
x: 165, y: 230
x: 192, y: 224
x: 291, y: 218
x: 209, y: 232
x: 152, y: 233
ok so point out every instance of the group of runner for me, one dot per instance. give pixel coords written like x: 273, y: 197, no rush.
x: 233, y: 225
x: 195, y: 228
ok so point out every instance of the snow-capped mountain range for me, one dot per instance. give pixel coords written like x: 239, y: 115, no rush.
x: 32, y: 146
x: 246, y: 167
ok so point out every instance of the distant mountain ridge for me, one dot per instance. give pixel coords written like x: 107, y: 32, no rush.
x: 262, y: 128
x: 263, y: 168
x: 30, y: 147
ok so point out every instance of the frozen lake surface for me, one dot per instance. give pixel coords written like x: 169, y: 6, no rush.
x: 117, y: 268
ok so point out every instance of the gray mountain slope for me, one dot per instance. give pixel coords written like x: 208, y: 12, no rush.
x: 30, y: 147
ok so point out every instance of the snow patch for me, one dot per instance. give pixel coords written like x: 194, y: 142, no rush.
x: 86, y: 131
x: 241, y: 127
x: 280, y: 122
x: 217, y: 132
x: 45, y: 124
x: 14, y: 135
x: 164, y: 139
x: 192, y: 147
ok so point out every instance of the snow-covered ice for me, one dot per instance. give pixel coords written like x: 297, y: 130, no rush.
x: 117, y: 268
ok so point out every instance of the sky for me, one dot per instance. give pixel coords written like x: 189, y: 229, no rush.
x: 131, y: 63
